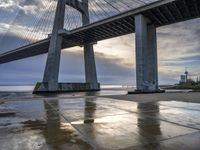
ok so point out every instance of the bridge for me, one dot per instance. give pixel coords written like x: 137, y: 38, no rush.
x: 142, y: 20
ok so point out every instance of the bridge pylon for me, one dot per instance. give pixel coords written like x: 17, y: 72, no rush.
x: 146, y: 56
x: 89, y: 58
x: 51, y: 73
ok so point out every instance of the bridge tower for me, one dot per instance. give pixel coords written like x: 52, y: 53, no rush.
x: 90, y: 67
x: 51, y: 73
x: 146, y: 55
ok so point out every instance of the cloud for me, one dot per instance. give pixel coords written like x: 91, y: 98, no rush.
x: 179, y: 47
x: 28, y: 71
x: 109, y: 72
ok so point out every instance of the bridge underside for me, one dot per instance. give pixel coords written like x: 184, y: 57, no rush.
x: 160, y: 13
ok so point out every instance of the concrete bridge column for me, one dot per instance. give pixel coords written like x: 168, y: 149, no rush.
x: 50, y: 79
x: 146, y: 55
x: 89, y: 57
x: 90, y: 67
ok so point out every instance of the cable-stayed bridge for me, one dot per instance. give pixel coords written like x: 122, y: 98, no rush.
x: 83, y: 23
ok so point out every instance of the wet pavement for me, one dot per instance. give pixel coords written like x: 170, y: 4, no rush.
x: 85, y: 121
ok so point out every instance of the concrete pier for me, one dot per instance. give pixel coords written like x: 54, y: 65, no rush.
x: 50, y: 80
x: 89, y: 57
x: 146, y: 55
x: 66, y: 87
x: 90, y: 67
x: 53, y: 60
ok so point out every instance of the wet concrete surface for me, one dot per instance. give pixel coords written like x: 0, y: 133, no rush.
x: 85, y: 121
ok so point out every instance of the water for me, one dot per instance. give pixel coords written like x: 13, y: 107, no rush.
x: 105, y: 89
x: 27, y: 88
x: 16, y: 88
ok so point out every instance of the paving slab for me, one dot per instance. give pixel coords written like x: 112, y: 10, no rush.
x: 186, y: 142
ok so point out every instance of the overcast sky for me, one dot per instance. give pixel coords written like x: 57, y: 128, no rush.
x: 178, y: 47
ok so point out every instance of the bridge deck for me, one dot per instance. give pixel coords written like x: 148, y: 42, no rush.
x: 161, y: 13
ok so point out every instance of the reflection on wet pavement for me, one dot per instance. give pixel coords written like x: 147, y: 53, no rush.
x: 98, y: 123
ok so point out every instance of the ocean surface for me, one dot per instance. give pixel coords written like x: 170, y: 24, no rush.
x: 105, y: 90
x: 16, y: 88
x: 117, y: 89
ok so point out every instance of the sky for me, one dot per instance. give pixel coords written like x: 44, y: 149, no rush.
x: 178, y: 47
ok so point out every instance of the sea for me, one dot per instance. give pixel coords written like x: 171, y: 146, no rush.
x: 104, y: 88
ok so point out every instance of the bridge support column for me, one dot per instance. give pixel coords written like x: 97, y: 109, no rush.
x: 90, y: 67
x: 89, y: 57
x: 146, y: 55
x: 50, y: 79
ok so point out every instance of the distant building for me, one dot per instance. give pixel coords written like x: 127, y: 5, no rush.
x: 183, y: 79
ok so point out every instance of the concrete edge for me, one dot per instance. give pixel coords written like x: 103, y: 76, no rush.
x: 145, y: 92
x: 42, y: 88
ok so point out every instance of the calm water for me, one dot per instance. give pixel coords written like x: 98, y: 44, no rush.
x: 22, y: 88
x: 28, y: 88
x: 105, y: 89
